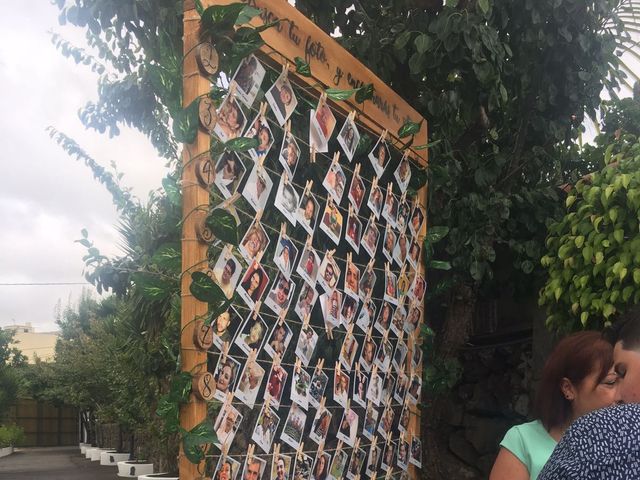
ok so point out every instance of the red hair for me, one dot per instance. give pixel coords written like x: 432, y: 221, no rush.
x: 575, y: 357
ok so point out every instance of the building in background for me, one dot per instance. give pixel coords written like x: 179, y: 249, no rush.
x: 33, y: 344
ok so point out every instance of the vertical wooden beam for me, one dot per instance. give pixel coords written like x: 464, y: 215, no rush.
x: 193, y: 85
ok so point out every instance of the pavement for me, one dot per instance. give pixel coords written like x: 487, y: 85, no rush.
x: 53, y: 463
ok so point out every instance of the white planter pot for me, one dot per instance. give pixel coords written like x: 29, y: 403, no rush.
x: 89, y: 451
x: 6, y: 451
x: 131, y: 469
x: 95, y: 454
x: 154, y: 476
x: 83, y: 447
x: 111, y: 457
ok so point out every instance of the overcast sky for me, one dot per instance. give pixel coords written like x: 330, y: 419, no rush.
x: 46, y: 197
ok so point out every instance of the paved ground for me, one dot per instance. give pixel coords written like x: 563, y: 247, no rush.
x: 53, y: 463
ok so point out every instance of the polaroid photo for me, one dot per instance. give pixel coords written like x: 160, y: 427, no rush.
x: 338, y: 465
x: 388, y: 387
x: 258, y: 187
x: 367, y: 282
x: 388, y: 457
x: 276, y: 383
x: 330, y: 303
x: 379, y: 156
x: 285, y: 255
x: 391, y: 287
x: 306, y: 301
x: 403, y: 454
x: 331, y: 223
x: 348, y: 311
x: 302, y: 467
x: 250, y: 382
x: 308, y: 212
x: 231, y: 120
x: 384, y: 356
x: 280, y: 295
x: 398, y: 320
x: 226, y: 272
x: 225, y: 327
x: 281, y: 467
x: 370, y: 421
x: 289, y: 154
x: 415, y: 387
x: 372, y: 462
x: 282, y: 99
x: 309, y: 265
x: 260, y: 129
x: 366, y: 315
x: 317, y: 387
x: 265, y: 430
x: 225, y: 375
x: 400, y: 252
x: 248, y: 78
x: 226, y: 469
x: 360, y: 386
x: 386, y: 422
x: 399, y: 356
x: 416, y: 452
x: 294, y: 427
x: 357, y: 461
x: 356, y: 192
x: 287, y: 200
x: 334, y: 182
x: 384, y: 318
x: 341, y: 388
x: 403, y: 174
x: 229, y: 173
x: 226, y: 426
x: 252, y: 334
x: 300, y: 387
x: 320, y: 425
x: 370, y: 238
x: 374, y: 393
x: 404, y: 209
x: 418, y: 288
x: 348, y: 351
x: 417, y: 220
x: 321, y: 466
x: 401, y: 390
x: 348, y: 138
x: 354, y: 231
x: 416, y: 358
x: 403, y: 284
x: 279, y: 340
x: 376, y: 200
x: 368, y: 355
x: 390, y: 209
x: 306, y: 345
x: 254, y: 242
x: 329, y: 273
x: 389, y: 243
x: 325, y: 121
x: 348, y: 428
x: 414, y: 253
x: 352, y: 281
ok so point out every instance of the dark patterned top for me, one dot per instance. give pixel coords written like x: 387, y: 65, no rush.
x: 602, y: 445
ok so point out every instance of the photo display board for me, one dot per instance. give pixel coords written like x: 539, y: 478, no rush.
x: 317, y: 363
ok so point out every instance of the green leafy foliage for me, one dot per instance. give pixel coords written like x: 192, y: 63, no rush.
x: 11, y: 436
x: 409, y: 128
x: 339, y: 94
x: 193, y: 440
x: 185, y: 126
x: 241, y: 144
x: 364, y: 93
x: 302, y: 67
x: 224, y: 226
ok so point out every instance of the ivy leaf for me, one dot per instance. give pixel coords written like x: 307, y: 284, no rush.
x: 246, y: 14
x: 422, y: 42
x: 221, y: 17
x: 484, y: 6
x: 338, y: 94
x: 169, y: 411
x: 419, y: 178
x: 435, y: 234
x: 205, y: 289
x: 440, y: 265
x: 402, y: 40
x: 180, y: 387
x: 415, y: 62
x: 427, y: 145
x: 364, y: 93
x: 173, y: 192
x: 192, y: 441
x: 241, y: 144
x: 364, y: 145
x: 223, y: 225
x: 409, y: 128
x: 185, y: 125
x: 302, y: 67
x: 199, y: 7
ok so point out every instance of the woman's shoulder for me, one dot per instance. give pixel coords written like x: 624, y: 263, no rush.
x: 528, y: 430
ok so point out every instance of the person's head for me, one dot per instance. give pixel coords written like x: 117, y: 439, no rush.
x: 309, y: 209
x: 255, y: 333
x: 328, y: 272
x: 223, y: 321
x: 254, y: 374
x: 254, y: 280
x: 224, y: 472
x: 228, y: 271
x: 282, y: 292
x: 232, y: 114
x: 264, y: 136
x: 230, y: 420
x: 576, y: 379
x: 228, y: 166
x: 285, y: 94
x: 288, y: 198
x: 625, y: 336
x: 291, y: 153
x: 280, y: 468
x: 253, y: 470
x: 369, y: 348
x: 382, y: 154
x: 225, y: 376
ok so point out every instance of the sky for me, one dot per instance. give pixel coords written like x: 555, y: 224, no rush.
x: 47, y: 197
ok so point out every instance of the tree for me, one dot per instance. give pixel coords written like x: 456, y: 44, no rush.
x: 10, y: 359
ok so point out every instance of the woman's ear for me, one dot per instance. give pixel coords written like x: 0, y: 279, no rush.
x: 567, y: 389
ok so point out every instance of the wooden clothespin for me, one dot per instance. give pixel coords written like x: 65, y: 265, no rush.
x: 312, y: 154
x: 307, y: 187
x: 356, y: 445
x: 225, y: 451
x: 276, y: 360
x: 232, y: 89
x: 320, y: 447
x: 285, y: 178
x: 349, y: 332
x: 388, y: 440
x: 225, y: 351
x: 263, y: 109
x: 282, y: 315
x: 285, y: 68
x: 384, y: 135
x: 267, y: 398
x: 323, y: 400
x: 374, y: 370
x: 356, y: 170
x: 287, y: 128
x: 387, y: 268
x: 390, y: 189
x: 374, y: 441
x: 372, y: 219
x: 370, y: 333
x: 329, y: 331
x: 322, y: 100
x: 229, y: 201
x: 330, y: 253
x: 256, y: 309
x: 352, y: 115
x: 403, y: 197
x: 374, y: 183
x: 283, y: 229
x: 389, y: 473
x: 338, y: 370
x: 253, y: 354
x: 358, y: 368
x: 349, y: 258
x: 299, y: 451
x: 307, y: 243
x: 319, y: 366
x: 339, y: 446
x: 276, y: 452
x: 370, y: 265
x: 298, y: 365
x: 258, y: 216
x: 336, y: 159
x: 250, y: 451
x: 227, y: 401
x: 350, y: 210
x: 305, y: 321
x: 348, y: 404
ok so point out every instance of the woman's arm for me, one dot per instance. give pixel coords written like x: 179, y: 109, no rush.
x: 508, y: 467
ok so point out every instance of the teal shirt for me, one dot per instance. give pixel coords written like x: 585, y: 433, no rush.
x: 531, y: 444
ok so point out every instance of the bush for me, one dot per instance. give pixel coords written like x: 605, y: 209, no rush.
x: 11, y: 435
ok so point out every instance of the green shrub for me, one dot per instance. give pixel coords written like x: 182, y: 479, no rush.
x: 11, y: 435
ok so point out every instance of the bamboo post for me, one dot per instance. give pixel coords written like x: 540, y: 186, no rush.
x: 193, y: 252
